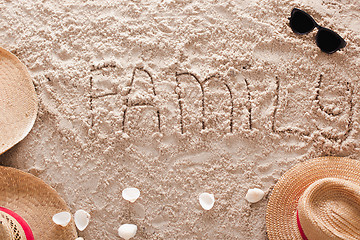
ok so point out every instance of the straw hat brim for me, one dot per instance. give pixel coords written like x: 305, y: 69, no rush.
x: 281, y: 223
x: 36, y: 202
x: 18, y: 101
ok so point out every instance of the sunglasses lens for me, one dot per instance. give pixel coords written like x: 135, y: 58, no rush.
x: 300, y: 22
x: 329, y: 41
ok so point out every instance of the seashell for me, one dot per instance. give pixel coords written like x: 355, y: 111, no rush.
x: 127, y: 231
x: 79, y: 238
x: 131, y: 194
x: 62, y: 218
x: 82, y: 219
x: 254, y: 195
x: 206, y: 200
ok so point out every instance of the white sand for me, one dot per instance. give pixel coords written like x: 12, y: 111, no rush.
x: 272, y: 100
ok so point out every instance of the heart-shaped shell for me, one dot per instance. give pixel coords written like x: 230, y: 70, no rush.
x: 82, y: 219
x: 127, y: 231
x: 206, y: 200
x: 131, y: 194
x: 254, y: 195
x: 62, y: 218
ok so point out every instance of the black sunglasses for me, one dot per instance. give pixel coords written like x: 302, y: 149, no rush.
x: 327, y: 40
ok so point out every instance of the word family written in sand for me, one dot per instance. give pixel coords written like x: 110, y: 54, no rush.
x: 186, y: 102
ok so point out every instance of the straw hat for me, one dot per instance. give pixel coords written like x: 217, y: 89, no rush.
x: 27, y: 206
x: 18, y: 102
x: 316, y: 199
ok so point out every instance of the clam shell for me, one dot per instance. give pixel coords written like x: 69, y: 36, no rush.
x: 131, y: 194
x: 254, y: 195
x: 62, y: 218
x: 206, y: 200
x: 127, y: 231
x: 82, y: 219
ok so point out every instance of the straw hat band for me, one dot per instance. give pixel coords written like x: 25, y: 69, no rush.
x: 13, y: 226
x: 330, y: 209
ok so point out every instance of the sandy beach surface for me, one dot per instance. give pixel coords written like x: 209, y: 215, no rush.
x: 177, y: 98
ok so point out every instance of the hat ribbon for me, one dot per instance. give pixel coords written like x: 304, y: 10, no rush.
x: 27, y: 230
x: 299, y: 226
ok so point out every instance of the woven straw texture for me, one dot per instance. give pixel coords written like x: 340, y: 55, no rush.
x: 281, y: 221
x: 36, y: 202
x: 18, y: 101
x: 330, y: 209
x: 10, y: 228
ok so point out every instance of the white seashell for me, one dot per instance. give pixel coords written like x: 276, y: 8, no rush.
x: 206, y: 200
x: 79, y: 238
x: 127, y: 231
x: 254, y: 195
x: 62, y: 218
x: 82, y: 219
x: 131, y: 194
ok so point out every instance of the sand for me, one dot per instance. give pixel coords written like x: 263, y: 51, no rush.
x: 177, y: 98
